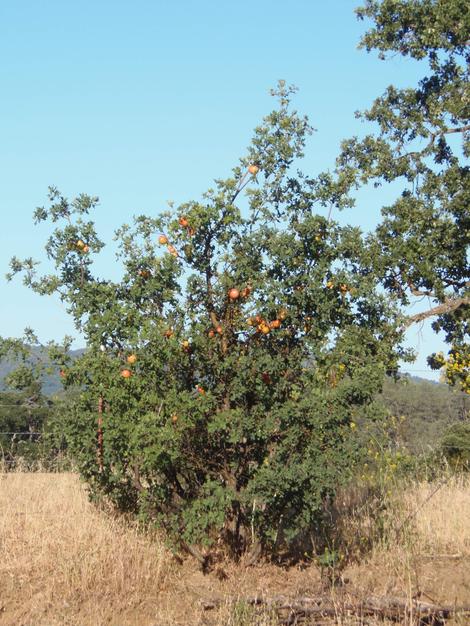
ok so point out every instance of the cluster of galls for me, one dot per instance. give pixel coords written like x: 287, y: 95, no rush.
x: 264, y: 326
x: 234, y: 293
x: 163, y: 239
x: 130, y: 360
x: 344, y: 289
x: 81, y: 246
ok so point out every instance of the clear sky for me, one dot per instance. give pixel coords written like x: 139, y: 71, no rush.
x: 147, y: 101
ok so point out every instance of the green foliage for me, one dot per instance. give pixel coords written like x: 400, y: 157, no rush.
x: 456, y: 367
x: 234, y: 422
x: 456, y: 445
x: 25, y: 435
x: 417, y: 28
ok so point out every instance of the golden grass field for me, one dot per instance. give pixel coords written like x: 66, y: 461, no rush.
x: 63, y: 561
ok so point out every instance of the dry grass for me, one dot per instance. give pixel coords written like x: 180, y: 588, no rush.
x: 425, y: 551
x: 65, y: 562
x: 443, y: 523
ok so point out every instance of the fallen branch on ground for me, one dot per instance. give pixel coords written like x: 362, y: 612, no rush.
x: 395, y: 609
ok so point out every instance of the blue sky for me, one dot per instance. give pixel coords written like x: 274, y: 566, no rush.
x: 148, y: 101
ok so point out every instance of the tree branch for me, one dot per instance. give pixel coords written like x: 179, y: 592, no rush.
x: 417, y: 292
x: 433, y: 137
x: 445, y: 307
x: 461, y: 129
x: 387, y: 607
x: 241, y: 185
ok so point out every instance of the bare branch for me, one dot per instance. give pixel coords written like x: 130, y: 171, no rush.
x: 445, y: 307
x: 461, y: 129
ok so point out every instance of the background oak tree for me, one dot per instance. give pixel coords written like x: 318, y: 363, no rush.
x: 422, y: 144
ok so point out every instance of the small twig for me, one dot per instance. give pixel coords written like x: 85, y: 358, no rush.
x: 461, y: 129
x: 448, y: 557
x: 240, y: 186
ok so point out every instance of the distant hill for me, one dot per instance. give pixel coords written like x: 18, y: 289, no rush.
x: 428, y: 408
x: 51, y: 382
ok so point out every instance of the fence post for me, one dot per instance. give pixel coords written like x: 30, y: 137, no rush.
x: 100, y: 433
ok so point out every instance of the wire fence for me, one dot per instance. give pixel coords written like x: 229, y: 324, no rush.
x: 30, y: 451
x: 26, y: 432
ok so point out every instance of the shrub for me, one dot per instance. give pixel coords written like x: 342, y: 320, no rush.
x: 232, y: 360
x: 456, y: 445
